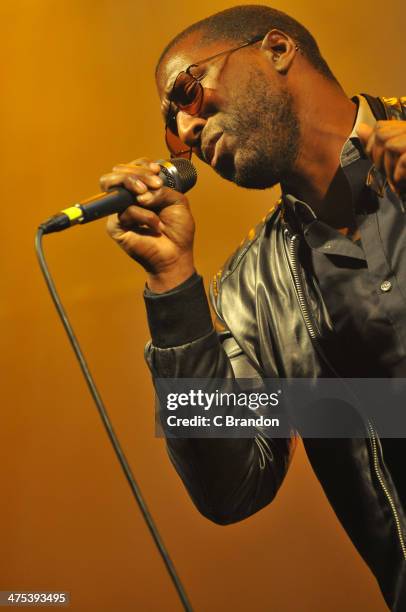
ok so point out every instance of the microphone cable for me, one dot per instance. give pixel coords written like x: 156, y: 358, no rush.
x: 108, y: 426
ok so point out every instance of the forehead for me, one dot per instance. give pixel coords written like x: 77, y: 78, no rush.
x: 189, y: 50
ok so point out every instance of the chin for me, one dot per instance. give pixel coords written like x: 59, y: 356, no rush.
x: 252, y: 172
x: 248, y: 178
x: 254, y: 181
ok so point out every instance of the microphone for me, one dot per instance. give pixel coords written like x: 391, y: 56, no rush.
x: 179, y: 174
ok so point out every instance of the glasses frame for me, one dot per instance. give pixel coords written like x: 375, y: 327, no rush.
x: 188, y: 152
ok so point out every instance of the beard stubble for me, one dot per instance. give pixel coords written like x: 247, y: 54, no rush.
x: 266, y: 130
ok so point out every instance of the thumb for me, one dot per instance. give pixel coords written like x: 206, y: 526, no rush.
x: 113, y: 227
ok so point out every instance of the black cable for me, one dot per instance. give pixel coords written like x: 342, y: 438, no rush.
x: 108, y: 426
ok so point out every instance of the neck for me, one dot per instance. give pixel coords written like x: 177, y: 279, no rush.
x: 326, y: 117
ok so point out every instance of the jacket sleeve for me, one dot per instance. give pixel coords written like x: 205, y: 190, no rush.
x: 227, y: 479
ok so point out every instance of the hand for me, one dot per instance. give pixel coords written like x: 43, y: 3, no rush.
x: 385, y: 144
x: 158, y: 231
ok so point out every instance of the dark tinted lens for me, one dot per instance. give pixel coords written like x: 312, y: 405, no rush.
x: 187, y: 93
x: 176, y: 147
x: 187, y: 96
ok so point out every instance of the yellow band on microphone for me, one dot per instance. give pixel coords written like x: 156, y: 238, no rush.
x: 73, y: 212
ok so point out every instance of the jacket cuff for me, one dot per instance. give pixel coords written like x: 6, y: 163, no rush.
x: 178, y: 316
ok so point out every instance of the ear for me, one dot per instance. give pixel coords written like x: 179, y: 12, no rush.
x: 281, y: 49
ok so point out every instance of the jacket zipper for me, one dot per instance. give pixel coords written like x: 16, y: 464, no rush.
x: 293, y: 241
x: 380, y: 477
x: 293, y: 251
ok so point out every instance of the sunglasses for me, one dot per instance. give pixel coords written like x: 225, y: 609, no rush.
x: 187, y: 95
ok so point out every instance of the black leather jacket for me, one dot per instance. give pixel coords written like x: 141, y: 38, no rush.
x: 276, y: 325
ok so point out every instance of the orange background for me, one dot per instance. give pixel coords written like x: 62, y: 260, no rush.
x: 78, y: 96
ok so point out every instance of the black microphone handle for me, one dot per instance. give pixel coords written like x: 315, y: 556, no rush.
x: 116, y: 200
x: 101, y: 205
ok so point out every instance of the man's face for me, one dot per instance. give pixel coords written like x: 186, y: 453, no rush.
x: 247, y: 128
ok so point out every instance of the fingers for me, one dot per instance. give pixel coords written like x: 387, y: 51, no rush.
x: 387, y: 129
x: 161, y: 198
x: 380, y: 134
x: 385, y: 144
x: 133, y: 219
x: 136, y: 176
x: 151, y: 198
x: 131, y: 241
x: 136, y: 182
x: 151, y: 203
x: 397, y: 143
x: 115, y: 179
x: 388, y: 161
x: 386, y: 138
x: 113, y: 227
x: 399, y: 174
x: 135, y: 216
x: 145, y: 161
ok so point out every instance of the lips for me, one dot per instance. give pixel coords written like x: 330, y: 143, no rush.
x: 209, y: 149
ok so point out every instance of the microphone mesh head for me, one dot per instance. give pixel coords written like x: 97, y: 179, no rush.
x: 186, y: 175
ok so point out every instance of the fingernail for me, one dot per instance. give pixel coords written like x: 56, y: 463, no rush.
x: 145, y: 197
x: 141, y: 185
x: 155, y: 167
x: 156, y: 181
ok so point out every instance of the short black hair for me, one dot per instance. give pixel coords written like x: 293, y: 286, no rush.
x: 242, y: 23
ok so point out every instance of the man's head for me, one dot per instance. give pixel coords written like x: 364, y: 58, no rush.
x: 247, y: 124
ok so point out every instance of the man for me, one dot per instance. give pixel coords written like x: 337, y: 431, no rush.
x: 319, y: 289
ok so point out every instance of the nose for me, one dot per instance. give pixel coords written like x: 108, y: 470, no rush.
x: 190, y: 129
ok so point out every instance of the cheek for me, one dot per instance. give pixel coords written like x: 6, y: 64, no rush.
x: 213, y: 101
